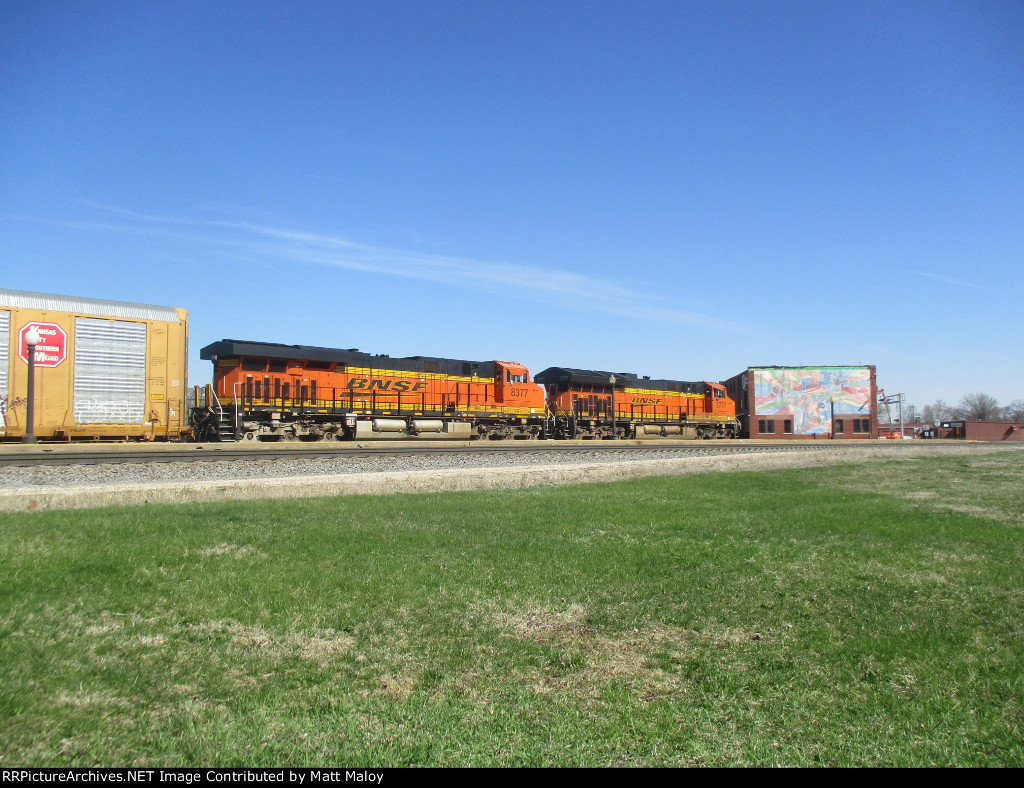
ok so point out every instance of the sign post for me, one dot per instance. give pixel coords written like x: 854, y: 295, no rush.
x: 31, y: 339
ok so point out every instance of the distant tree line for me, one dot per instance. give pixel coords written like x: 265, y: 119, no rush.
x: 973, y: 407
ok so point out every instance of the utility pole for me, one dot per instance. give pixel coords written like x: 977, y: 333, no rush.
x: 893, y: 399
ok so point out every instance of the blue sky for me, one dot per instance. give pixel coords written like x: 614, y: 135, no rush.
x: 675, y: 189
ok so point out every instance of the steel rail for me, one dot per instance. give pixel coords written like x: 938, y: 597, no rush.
x: 212, y: 452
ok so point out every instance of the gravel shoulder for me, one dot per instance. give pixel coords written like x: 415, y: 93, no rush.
x: 89, y: 486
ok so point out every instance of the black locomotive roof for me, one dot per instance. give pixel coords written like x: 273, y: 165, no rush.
x: 235, y: 348
x: 553, y: 375
x: 684, y: 386
x: 623, y: 380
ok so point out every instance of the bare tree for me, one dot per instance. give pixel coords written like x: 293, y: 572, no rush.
x: 937, y: 411
x: 979, y: 407
x: 1014, y: 411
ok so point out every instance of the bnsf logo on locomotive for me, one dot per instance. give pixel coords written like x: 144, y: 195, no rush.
x: 386, y: 385
x: 647, y: 400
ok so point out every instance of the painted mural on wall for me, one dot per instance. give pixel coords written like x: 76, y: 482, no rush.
x: 809, y: 395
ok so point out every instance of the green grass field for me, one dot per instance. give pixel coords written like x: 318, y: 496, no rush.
x: 849, y: 615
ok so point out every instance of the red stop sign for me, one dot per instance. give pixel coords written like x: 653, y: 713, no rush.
x: 53, y: 344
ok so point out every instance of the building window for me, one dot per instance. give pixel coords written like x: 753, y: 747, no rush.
x: 787, y: 426
x: 771, y: 426
x: 761, y: 426
x: 839, y: 426
x: 865, y: 425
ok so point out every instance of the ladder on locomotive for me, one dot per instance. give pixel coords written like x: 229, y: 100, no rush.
x: 225, y: 426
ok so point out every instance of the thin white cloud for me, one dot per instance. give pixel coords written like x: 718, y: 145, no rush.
x: 269, y: 241
x: 951, y: 281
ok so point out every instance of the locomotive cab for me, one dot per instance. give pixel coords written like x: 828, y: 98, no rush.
x: 512, y: 386
x: 716, y: 401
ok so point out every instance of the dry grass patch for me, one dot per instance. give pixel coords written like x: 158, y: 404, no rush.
x: 83, y: 700
x: 399, y: 687
x: 587, y: 661
x: 319, y: 646
x: 232, y: 550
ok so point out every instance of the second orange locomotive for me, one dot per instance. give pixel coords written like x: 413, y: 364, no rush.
x: 585, y: 403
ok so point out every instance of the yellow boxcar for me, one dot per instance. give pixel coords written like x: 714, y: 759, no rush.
x: 103, y: 369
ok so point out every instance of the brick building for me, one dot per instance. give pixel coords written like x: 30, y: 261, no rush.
x: 977, y: 431
x: 806, y: 402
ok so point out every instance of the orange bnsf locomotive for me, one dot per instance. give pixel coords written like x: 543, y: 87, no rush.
x: 264, y: 391
x: 591, y: 404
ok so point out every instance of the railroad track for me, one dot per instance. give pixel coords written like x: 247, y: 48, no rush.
x: 212, y: 452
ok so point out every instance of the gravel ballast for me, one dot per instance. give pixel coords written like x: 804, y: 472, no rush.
x: 87, y: 486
